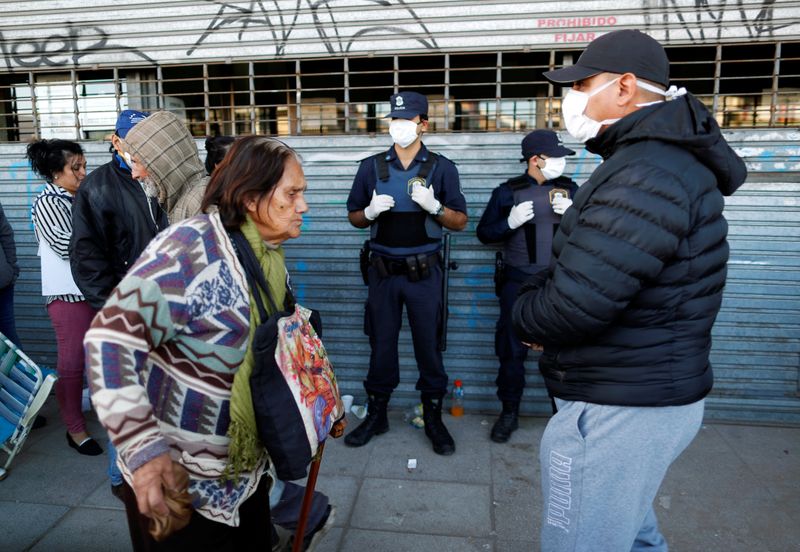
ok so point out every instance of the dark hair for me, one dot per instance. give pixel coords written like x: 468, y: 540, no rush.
x: 216, y: 148
x: 48, y: 157
x: 253, y: 167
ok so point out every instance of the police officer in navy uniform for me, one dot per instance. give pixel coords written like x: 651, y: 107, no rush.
x: 405, y: 195
x: 523, y: 214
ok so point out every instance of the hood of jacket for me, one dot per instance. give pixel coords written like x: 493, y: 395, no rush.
x: 684, y: 122
x: 162, y: 143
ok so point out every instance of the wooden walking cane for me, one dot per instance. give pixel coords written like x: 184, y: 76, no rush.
x: 337, y: 430
x: 299, y: 535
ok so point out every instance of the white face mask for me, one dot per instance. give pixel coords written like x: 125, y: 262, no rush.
x: 581, y: 127
x: 670, y: 94
x: 403, y: 132
x: 553, y: 167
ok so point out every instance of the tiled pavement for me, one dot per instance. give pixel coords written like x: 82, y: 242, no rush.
x: 737, y: 488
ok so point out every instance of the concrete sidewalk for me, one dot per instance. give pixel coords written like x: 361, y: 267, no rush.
x: 737, y: 488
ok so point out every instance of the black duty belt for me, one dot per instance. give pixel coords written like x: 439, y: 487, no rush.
x: 417, y: 267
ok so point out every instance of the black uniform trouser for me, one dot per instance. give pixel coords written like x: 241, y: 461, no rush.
x: 508, y: 348
x: 382, y: 322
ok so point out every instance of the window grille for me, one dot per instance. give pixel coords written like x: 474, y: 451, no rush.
x: 745, y: 86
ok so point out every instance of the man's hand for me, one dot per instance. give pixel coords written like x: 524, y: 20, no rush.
x: 534, y: 346
x: 423, y: 196
x: 520, y: 214
x: 148, y: 481
x: 561, y: 204
x: 378, y: 205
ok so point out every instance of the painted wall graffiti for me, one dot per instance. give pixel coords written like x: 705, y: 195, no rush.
x: 705, y: 20
x: 176, y: 32
x: 62, y: 49
x: 278, y: 24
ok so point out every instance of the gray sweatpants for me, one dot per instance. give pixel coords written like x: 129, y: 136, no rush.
x: 601, y: 469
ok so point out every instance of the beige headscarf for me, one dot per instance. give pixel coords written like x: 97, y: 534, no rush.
x: 163, y: 144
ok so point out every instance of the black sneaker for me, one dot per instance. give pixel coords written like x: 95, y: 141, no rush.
x: 89, y: 446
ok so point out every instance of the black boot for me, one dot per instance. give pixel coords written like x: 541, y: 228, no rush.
x: 375, y: 423
x: 506, y: 423
x: 434, y: 428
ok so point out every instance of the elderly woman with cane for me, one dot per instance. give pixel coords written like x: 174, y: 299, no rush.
x: 171, y: 357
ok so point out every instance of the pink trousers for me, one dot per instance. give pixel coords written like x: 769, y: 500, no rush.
x: 70, y: 322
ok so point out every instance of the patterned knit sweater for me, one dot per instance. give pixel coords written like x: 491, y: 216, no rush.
x: 162, y: 354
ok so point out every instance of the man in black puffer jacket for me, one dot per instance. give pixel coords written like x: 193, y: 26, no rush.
x: 113, y: 220
x: 626, y: 308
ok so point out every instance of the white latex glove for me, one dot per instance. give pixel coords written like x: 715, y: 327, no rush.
x: 423, y: 196
x: 561, y: 204
x: 378, y: 205
x: 520, y: 214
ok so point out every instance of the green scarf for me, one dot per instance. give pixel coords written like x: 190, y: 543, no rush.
x: 245, y: 450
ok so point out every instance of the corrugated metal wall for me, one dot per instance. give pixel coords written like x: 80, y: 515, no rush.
x: 48, y: 34
x: 756, y: 339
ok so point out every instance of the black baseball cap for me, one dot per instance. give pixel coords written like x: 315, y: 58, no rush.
x: 625, y: 51
x: 543, y: 142
x: 407, y: 105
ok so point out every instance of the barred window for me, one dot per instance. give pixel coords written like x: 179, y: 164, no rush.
x: 745, y: 86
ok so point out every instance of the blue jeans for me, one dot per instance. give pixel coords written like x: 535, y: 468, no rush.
x: 113, y: 471
x: 601, y: 469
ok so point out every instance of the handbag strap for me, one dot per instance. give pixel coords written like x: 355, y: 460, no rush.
x: 253, y: 272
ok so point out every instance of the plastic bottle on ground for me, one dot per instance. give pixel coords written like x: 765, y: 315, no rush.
x: 457, y: 401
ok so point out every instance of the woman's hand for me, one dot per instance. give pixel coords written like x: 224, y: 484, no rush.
x: 148, y: 481
x: 337, y: 430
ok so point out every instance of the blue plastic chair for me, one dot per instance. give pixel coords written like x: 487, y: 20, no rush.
x: 24, y: 387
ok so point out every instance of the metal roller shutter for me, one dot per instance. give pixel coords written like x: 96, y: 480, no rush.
x: 181, y: 31
x: 756, y: 337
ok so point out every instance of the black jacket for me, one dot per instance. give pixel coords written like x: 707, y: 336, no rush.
x: 111, y: 225
x: 639, y: 264
x: 9, y: 269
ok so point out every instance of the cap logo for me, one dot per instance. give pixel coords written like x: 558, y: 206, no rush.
x: 399, y: 101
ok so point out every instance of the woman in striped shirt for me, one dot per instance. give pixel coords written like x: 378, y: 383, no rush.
x: 62, y: 164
